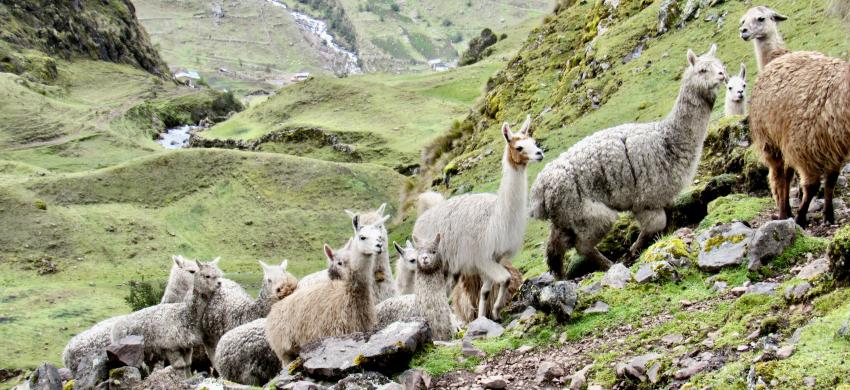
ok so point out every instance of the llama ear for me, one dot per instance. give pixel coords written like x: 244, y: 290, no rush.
x: 199, y: 264
x: 384, y: 220
x: 329, y: 253
x: 416, y: 241
x: 408, y: 244
x: 350, y: 213
x: 381, y: 209
x: 284, y: 264
x: 712, y: 51
x: 776, y: 16
x: 264, y: 266
x: 178, y: 260
x: 526, y: 126
x: 398, y: 248
x: 692, y: 58
x: 436, y: 241
x: 214, y: 262
x: 506, y: 132
x: 355, y: 221
x: 743, y: 73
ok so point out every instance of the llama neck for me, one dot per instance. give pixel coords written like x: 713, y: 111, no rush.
x: 513, y: 189
x: 405, y: 277
x: 734, y: 108
x: 263, y: 304
x: 688, y: 121
x: 197, y: 305
x: 362, y: 280
x: 765, y: 47
x: 429, y: 283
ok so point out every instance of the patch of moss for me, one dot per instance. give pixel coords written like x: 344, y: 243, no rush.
x: 797, y: 251
x: 40, y: 204
x: 720, y: 239
x: 69, y: 385
x: 735, y: 207
x: 665, y: 249
x: 839, y: 255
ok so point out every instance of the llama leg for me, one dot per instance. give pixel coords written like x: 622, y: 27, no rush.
x: 592, y: 228
x: 778, y: 183
x: 786, y: 190
x: 558, y: 244
x: 503, y: 278
x: 484, y: 296
x: 828, y: 193
x: 651, y: 222
x: 810, y: 184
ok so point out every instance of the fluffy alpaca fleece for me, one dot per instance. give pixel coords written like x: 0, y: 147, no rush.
x: 88, y: 342
x: 429, y: 298
x: 231, y: 306
x: 336, y: 268
x: 331, y: 308
x: 482, y: 230
x: 637, y: 167
x: 173, y: 329
x: 384, y: 283
x: 466, y: 291
x: 179, y: 280
x: 405, y: 268
x: 800, y: 121
x: 760, y: 25
x: 243, y: 354
x: 427, y: 200
x: 736, y: 98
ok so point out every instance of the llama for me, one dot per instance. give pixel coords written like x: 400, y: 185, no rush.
x: 243, y: 355
x: 480, y: 231
x: 231, y: 306
x: 384, y: 283
x: 800, y: 121
x: 736, y: 101
x: 179, y: 280
x: 464, y: 296
x: 760, y: 25
x: 637, y: 167
x: 428, y: 299
x: 405, y: 268
x: 173, y: 329
x: 331, y: 308
x: 88, y: 343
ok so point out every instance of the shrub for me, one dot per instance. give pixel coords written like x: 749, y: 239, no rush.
x: 478, y: 47
x: 395, y: 7
x: 144, y: 294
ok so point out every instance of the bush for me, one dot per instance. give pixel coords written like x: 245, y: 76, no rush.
x: 395, y: 7
x: 456, y: 37
x: 144, y: 294
x: 447, y: 22
x: 478, y: 47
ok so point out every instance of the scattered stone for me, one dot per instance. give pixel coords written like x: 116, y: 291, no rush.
x: 765, y: 288
x: 809, y: 381
x: 483, y: 328
x: 93, y: 370
x: 129, y: 351
x: 636, y: 367
x: 579, y: 379
x: 493, y: 382
x: 304, y: 385
x: 559, y: 299
x: 165, y: 379
x: 743, y: 348
x: 769, y: 241
x: 814, y: 270
x: 672, y: 339
x: 469, y: 350
x: 839, y: 255
x: 740, y: 290
x: 388, y: 349
x: 283, y: 379
x: 362, y: 381
x: 719, y: 286
x: 785, y: 352
x: 617, y: 276
x: 528, y: 313
x: 528, y: 292
x: 124, y: 378
x: 45, y: 377
x: 653, y: 372
x: 723, y: 245
x: 548, y: 371
x: 797, y: 292
x: 692, y: 369
x: 708, y: 343
x: 654, y: 271
x: 595, y: 387
x: 524, y: 348
x: 598, y: 307
x: 415, y: 379
x: 592, y: 288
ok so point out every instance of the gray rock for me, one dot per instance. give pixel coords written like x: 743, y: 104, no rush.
x: 528, y: 313
x: 797, y: 292
x: 617, y: 276
x: 769, y: 241
x: 692, y: 369
x: 653, y: 373
x: 672, y: 339
x: 559, y: 299
x: 92, y: 370
x: 785, y: 352
x: 415, y: 379
x: 385, y: 350
x: 165, y: 379
x: 766, y: 288
x: 529, y: 291
x: 598, y: 307
x: 124, y: 378
x: 579, y: 379
x: 654, y: 271
x: 636, y: 367
x: 493, y: 382
x: 469, y: 350
x: 723, y: 246
x: 592, y: 288
x: 719, y: 286
x: 814, y: 270
x: 283, y: 379
x: 809, y: 381
x: 45, y: 377
x: 483, y: 328
x: 547, y: 371
x: 129, y: 351
x: 305, y: 385
x: 524, y: 348
x: 65, y: 374
x: 362, y: 381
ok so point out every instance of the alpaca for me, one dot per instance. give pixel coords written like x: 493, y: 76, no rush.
x: 800, y: 121
x: 637, y: 167
x: 231, y: 306
x: 480, y: 231
x: 427, y: 200
x: 405, y: 267
x: 428, y: 299
x: 465, y: 293
x: 384, y: 283
x: 759, y: 24
x: 736, y: 101
x: 331, y: 308
x: 243, y: 355
x: 92, y: 341
x: 180, y: 280
x: 173, y: 329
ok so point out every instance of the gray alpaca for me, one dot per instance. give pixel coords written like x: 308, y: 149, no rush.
x: 637, y: 167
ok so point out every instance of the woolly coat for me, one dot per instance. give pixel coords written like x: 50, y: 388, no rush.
x: 465, y: 294
x: 405, y: 272
x: 87, y: 343
x: 383, y: 275
x: 179, y: 283
x: 244, y: 356
x: 428, y: 302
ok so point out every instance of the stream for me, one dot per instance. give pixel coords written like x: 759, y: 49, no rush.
x: 320, y: 29
x: 176, y: 137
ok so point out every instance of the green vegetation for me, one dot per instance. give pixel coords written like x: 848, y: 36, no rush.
x: 735, y: 207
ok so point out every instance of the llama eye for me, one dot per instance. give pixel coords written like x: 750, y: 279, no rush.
x: 703, y: 70
x: 519, y: 148
x: 730, y: 88
x: 761, y: 19
x: 191, y: 272
x: 207, y: 276
x: 362, y: 238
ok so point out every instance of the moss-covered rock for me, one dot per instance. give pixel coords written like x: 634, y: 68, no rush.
x: 839, y: 256
x: 727, y: 151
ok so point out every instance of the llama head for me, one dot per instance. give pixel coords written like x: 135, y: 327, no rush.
x: 369, y: 238
x: 207, y: 279
x: 760, y: 23
x: 428, y: 259
x: 736, y: 86
x: 520, y: 146
x: 406, y: 255
x: 284, y: 288
x: 184, y: 264
x: 339, y: 261
x: 273, y: 275
x: 704, y: 73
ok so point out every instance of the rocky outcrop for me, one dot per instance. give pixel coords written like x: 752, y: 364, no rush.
x: 723, y: 246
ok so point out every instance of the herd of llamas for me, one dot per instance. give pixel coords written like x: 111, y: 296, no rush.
x: 458, y: 265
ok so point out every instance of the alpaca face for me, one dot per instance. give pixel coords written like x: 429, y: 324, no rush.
x: 407, y: 256
x: 521, y: 147
x: 284, y: 288
x: 273, y: 275
x: 736, y: 86
x: 184, y: 264
x: 760, y: 23
x: 429, y: 259
x: 207, y: 278
x: 369, y: 239
x: 339, y: 261
x: 705, y: 73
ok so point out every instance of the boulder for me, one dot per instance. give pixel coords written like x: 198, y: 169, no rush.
x: 597, y: 307
x: 766, y: 288
x: 693, y: 368
x: 166, y: 379
x: 496, y: 382
x: 769, y: 241
x: 363, y: 381
x: 386, y: 350
x: 579, y: 379
x: 723, y: 246
x: 636, y: 367
x: 124, y: 378
x: 654, y: 271
x: 93, y: 369
x: 415, y: 379
x: 547, y: 371
x: 617, y: 276
x: 129, y: 351
x: 797, y: 292
x: 559, y: 299
x: 529, y: 290
x: 483, y: 328
x: 45, y: 377
x: 814, y: 270
x: 283, y: 379
x: 304, y: 385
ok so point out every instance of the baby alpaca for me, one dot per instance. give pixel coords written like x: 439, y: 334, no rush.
x: 180, y: 280
x: 429, y: 299
x: 736, y: 101
x: 405, y: 268
x: 638, y: 167
x: 173, y: 329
